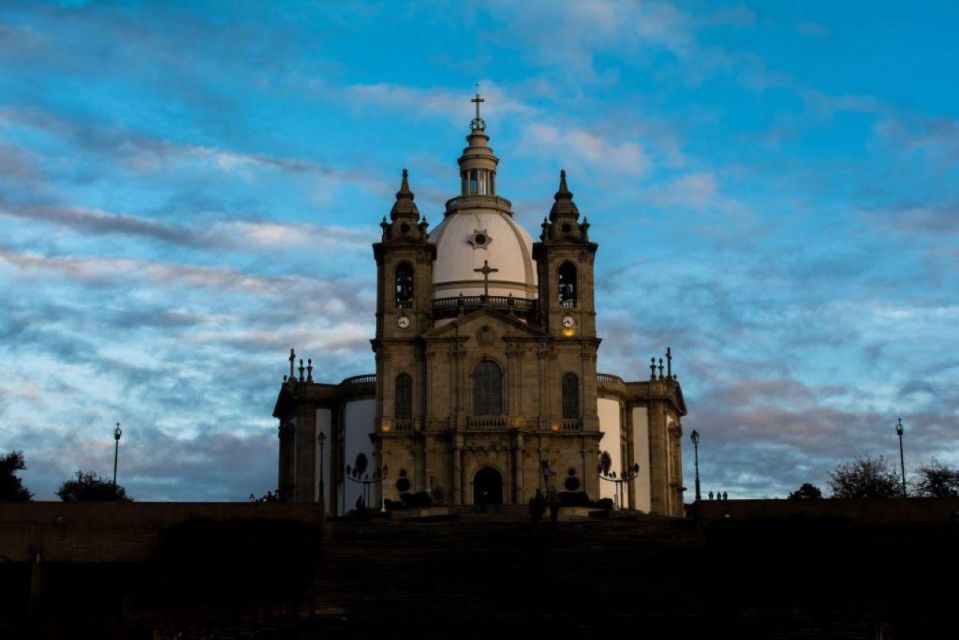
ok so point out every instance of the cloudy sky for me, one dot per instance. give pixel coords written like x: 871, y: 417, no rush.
x: 188, y: 190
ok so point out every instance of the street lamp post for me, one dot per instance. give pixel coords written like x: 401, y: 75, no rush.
x: 694, y: 436
x: 621, y: 483
x: 321, y: 439
x: 902, y: 459
x: 116, y: 451
x: 379, y: 475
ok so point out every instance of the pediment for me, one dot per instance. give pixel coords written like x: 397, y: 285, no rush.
x: 484, y: 321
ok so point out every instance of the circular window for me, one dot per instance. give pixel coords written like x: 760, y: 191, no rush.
x: 572, y: 483
x: 567, y: 228
x: 480, y: 239
x: 571, y: 472
x: 403, y: 485
x: 404, y: 228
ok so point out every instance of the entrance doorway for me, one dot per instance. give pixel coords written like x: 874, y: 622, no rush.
x: 490, y: 481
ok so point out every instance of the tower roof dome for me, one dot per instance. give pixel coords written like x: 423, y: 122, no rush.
x: 472, y: 236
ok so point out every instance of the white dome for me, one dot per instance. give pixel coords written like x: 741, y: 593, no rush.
x: 476, y: 231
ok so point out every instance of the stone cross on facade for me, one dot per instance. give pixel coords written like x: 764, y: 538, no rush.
x: 486, y: 270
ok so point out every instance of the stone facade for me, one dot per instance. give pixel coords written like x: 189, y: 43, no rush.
x: 484, y: 394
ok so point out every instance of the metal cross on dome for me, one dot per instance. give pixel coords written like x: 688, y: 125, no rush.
x: 486, y: 270
x: 478, y: 122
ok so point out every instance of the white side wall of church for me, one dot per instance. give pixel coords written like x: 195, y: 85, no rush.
x: 642, y: 496
x: 324, y: 419
x: 358, y: 425
x: 609, y: 424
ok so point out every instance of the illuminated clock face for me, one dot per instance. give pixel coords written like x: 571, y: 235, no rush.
x: 569, y: 322
x: 403, y: 322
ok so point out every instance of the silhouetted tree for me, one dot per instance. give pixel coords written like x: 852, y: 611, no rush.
x: 937, y: 480
x: 865, y: 478
x: 90, y: 487
x: 11, y: 487
x: 806, y: 492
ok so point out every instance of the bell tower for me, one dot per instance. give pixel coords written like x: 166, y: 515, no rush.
x: 564, y: 261
x: 404, y: 276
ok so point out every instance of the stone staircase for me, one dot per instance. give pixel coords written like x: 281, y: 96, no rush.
x: 482, y: 572
x: 476, y: 574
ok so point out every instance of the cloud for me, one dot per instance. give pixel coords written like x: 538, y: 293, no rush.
x: 142, y: 153
x: 444, y: 103
x: 273, y: 235
x: 574, y: 147
x: 592, y: 26
x: 933, y: 138
x: 155, y: 465
x: 180, y: 196
x: 104, y: 271
x: 814, y: 29
x: 101, y: 222
x: 239, y: 235
x: 918, y: 218
x: 695, y: 190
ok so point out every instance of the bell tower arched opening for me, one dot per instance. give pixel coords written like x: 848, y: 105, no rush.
x: 567, y: 285
x: 404, y: 285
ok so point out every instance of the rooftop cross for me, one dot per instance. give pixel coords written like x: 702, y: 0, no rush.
x: 478, y: 122
x: 486, y: 270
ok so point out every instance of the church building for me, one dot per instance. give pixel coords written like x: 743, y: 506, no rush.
x: 486, y: 385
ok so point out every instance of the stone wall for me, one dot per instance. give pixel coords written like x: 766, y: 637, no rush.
x: 871, y: 511
x: 119, y: 532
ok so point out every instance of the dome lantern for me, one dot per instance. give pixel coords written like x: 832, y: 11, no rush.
x: 478, y: 229
x: 477, y: 163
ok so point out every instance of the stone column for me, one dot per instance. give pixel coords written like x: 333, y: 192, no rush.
x: 626, y: 422
x: 542, y: 353
x: 457, y: 469
x: 305, y: 465
x: 517, y: 451
x: 658, y: 458
x: 459, y: 384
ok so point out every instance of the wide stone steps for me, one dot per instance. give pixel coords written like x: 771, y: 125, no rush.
x: 494, y: 562
x: 495, y: 574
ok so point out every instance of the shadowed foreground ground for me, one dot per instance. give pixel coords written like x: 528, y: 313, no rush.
x: 494, y: 574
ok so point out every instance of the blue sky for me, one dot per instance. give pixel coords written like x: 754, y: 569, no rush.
x: 187, y: 190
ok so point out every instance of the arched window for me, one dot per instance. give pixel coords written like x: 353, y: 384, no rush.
x: 404, y: 285
x: 567, y: 285
x: 473, y: 180
x: 487, y: 389
x: 570, y: 396
x: 403, y: 407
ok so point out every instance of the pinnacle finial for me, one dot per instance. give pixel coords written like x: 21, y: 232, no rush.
x: 404, y: 206
x: 563, y: 189
x: 405, y: 185
x: 563, y: 207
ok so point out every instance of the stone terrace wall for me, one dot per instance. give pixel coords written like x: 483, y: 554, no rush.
x: 119, y: 531
x: 871, y: 511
